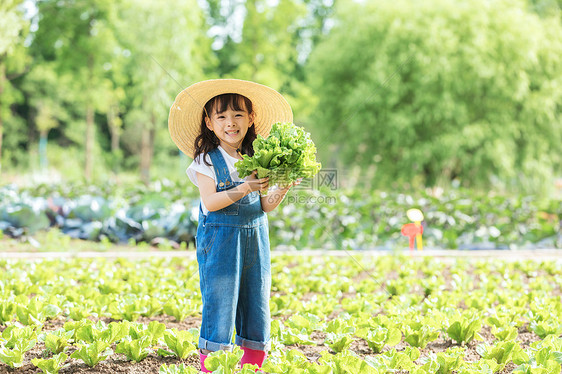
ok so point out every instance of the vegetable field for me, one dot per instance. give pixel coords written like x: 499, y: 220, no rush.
x: 309, y: 218
x: 356, y: 313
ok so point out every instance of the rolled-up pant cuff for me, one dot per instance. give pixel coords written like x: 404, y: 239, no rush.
x: 213, y: 347
x: 252, y: 344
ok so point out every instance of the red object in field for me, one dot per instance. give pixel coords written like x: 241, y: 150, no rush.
x: 412, y: 230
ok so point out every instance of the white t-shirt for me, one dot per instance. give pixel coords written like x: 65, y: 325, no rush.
x: 198, y: 166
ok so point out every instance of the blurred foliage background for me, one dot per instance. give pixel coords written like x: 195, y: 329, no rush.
x: 395, y: 93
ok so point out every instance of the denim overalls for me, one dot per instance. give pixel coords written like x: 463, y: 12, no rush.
x: 234, y: 270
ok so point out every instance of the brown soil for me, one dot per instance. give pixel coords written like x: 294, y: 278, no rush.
x: 117, y: 363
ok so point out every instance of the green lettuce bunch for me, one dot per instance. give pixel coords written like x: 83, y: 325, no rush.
x: 286, y: 155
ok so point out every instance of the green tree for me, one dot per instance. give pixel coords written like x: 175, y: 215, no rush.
x: 269, y: 43
x: 437, y: 90
x: 546, y: 8
x: 51, y: 99
x: 13, y: 58
x: 77, y: 36
x: 115, y: 80
x: 167, y: 51
x: 267, y: 51
x: 115, y: 124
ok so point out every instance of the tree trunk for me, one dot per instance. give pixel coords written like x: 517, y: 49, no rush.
x: 89, y: 158
x: 147, y: 146
x: 115, y: 133
x: 145, y: 151
x: 113, y: 128
x: 2, y: 80
x: 43, y: 150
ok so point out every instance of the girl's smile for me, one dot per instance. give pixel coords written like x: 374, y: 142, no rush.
x: 230, y: 126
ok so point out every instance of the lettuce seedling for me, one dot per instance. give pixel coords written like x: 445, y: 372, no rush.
x: 482, y: 366
x: 348, y: 362
x: 19, y: 338
x: 51, y: 365
x: 7, y: 310
x: 340, y: 326
x: 307, y: 322
x: 444, y: 362
x: 545, y: 356
x: 128, y: 308
x: 36, y: 312
x: 290, y: 336
x: 530, y: 369
x: 419, y: 334
x: 378, y: 337
x: 179, y: 369
x: 503, y: 352
x: 136, y: 349
x: 180, y: 342
x: 155, y: 330
x: 17, y: 342
x: 403, y: 360
x: 550, y: 341
x: 152, y: 305
x: 180, y: 309
x: 293, y: 336
x: 111, y: 333
x: 545, y: 328
x: 338, y: 342
x: 224, y: 360
x: 397, y: 287
x: 282, y: 361
x: 74, y: 326
x: 279, y: 366
x: 115, y: 331
x: 101, y: 305
x: 93, y: 353
x: 501, y: 318
x: 11, y: 357
x: 88, y: 332
x: 504, y: 333
x: 463, y: 327
x: 79, y: 312
x: 57, y: 341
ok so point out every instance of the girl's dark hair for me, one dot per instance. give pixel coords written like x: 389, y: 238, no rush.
x: 207, y: 140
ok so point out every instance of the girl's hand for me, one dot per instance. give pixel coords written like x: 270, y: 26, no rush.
x: 256, y: 184
x: 295, y: 183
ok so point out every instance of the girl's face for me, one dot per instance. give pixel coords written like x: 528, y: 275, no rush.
x: 230, y: 125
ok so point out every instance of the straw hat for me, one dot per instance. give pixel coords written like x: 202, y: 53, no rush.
x: 184, y: 121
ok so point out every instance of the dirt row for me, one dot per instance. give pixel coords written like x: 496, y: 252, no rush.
x: 118, y: 363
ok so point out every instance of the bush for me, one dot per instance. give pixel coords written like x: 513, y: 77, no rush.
x: 441, y: 90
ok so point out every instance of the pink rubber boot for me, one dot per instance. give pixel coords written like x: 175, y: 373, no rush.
x: 252, y: 356
x: 202, y: 358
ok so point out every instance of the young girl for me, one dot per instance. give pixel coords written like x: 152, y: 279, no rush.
x: 215, y: 122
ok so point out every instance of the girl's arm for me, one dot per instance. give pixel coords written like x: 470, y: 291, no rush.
x: 214, y: 200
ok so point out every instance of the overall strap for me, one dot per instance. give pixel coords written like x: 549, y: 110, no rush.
x: 224, y: 182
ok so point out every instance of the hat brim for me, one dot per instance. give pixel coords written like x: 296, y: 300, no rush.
x: 184, y: 121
